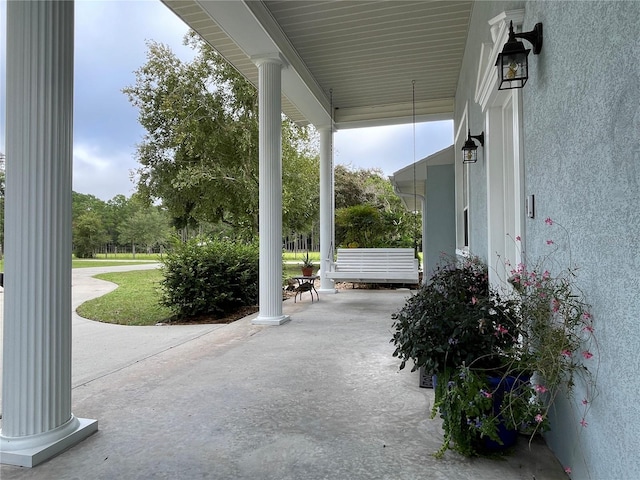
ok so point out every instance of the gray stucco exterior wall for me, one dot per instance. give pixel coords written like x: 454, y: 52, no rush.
x: 440, y: 216
x: 478, y: 34
x: 581, y: 134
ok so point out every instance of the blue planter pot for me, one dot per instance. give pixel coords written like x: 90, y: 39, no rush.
x: 499, y: 385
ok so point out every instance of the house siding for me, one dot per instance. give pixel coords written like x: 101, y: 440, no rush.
x: 581, y: 134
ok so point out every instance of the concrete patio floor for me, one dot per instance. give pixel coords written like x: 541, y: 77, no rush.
x: 320, y: 397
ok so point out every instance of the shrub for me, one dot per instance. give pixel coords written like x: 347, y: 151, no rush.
x: 454, y: 319
x: 210, y: 277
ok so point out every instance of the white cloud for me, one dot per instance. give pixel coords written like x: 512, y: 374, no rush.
x: 99, y: 173
x: 391, y: 148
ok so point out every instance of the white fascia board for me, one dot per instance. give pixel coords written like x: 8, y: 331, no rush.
x: 255, y: 31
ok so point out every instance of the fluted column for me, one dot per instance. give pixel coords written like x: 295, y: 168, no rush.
x: 37, y: 422
x: 270, y: 222
x: 326, y: 208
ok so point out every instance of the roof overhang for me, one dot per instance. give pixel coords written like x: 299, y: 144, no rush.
x: 358, y: 57
x: 410, y: 182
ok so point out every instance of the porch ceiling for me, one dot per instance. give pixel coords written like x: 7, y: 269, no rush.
x: 366, y: 52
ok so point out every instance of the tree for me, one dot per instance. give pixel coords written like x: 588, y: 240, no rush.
x: 89, y: 235
x: 369, y: 213
x: 146, y: 227
x: 200, y: 153
x: 359, y: 226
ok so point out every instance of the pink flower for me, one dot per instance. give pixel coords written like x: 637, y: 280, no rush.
x: 474, y: 300
x: 567, y: 470
x: 555, y: 305
x: 586, y: 315
x: 583, y: 422
x: 486, y: 394
x: 539, y: 418
x: 541, y: 388
x: 588, y: 328
x: 518, y: 238
x: 548, y: 221
x: 585, y: 401
x: 546, y: 275
x: 566, y: 353
x: 500, y: 330
x: 587, y: 354
x: 549, y: 242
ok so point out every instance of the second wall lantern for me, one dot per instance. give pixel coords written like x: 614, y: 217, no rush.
x: 512, y: 62
x: 470, y: 149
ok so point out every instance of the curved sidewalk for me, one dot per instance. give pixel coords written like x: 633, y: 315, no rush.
x: 320, y: 397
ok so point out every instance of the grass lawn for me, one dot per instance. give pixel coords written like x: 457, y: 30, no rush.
x: 134, y: 302
x: 94, y: 262
x: 89, y: 263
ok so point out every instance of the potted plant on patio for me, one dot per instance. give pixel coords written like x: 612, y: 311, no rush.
x: 456, y: 322
x: 307, y: 266
x: 550, y: 352
x: 452, y: 320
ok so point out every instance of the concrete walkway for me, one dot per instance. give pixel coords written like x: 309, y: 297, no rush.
x: 320, y: 397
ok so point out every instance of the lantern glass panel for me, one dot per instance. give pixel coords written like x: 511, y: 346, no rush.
x: 513, y: 70
x: 470, y: 155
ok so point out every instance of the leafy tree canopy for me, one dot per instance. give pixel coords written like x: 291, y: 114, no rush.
x: 369, y: 213
x: 200, y: 153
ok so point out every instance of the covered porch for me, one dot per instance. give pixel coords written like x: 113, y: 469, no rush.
x: 330, y: 64
x: 318, y: 398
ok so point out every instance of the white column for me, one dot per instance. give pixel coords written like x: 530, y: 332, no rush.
x: 326, y: 208
x: 37, y: 422
x: 270, y: 223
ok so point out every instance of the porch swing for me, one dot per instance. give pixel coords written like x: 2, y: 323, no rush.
x: 379, y: 265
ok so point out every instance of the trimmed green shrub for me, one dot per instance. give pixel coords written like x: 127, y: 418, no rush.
x: 210, y: 277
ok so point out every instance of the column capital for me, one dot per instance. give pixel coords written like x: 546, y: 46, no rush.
x: 275, y: 57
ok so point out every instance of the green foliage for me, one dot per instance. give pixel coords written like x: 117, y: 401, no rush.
x: 538, y: 343
x: 200, y: 153
x: 207, y: 277
x: 89, y: 235
x: 465, y: 403
x: 146, y: 227
x: 359, y: 226
x: 366, y: 200
x: 454, y: 319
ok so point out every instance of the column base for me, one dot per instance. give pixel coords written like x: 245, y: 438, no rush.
x: 271, y: 320
x: 34, y: 449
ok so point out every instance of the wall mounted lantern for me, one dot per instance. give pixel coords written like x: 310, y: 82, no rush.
x: 470, y: 149
x: 512, y: 62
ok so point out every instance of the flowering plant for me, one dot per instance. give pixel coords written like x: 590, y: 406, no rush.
x: 453, y: 319
x: 551, y: 350
x: 557, y: 340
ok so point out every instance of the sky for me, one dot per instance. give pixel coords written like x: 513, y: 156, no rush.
x: 110, y: 44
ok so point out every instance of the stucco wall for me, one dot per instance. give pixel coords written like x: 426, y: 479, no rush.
x: 478, y: 34
x: 582, y: 156
x: 581, y: 133
x: 440, y: 216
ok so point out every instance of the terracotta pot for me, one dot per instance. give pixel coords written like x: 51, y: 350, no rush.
x: 307, y: 271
